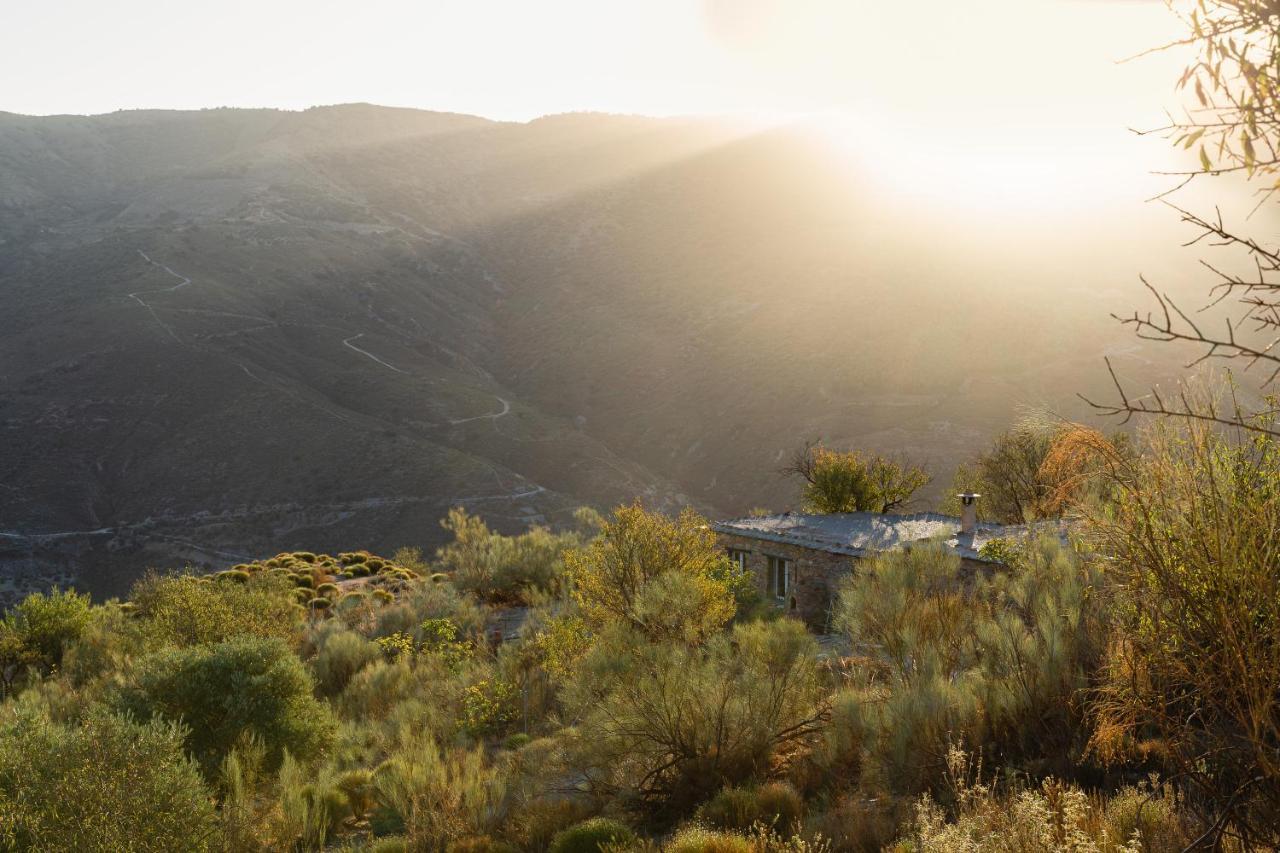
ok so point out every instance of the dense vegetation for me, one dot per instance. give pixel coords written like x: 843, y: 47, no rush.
x: 620, y: 686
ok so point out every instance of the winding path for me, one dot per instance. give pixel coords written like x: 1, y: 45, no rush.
x: 506, y: 410
x: 347, y: 343
x: 137, y: 295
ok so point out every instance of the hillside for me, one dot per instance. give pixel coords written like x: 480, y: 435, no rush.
x: 231, y: 332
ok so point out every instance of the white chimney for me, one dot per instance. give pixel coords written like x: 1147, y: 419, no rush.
x: 968, y: 512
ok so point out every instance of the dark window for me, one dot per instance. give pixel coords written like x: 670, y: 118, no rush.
x: 779, y: 576
x: 739, y: 558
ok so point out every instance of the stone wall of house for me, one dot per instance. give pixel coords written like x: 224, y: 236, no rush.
x: 815, y: 576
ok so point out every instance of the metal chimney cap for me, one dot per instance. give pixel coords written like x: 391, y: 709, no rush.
x: 968, y: 497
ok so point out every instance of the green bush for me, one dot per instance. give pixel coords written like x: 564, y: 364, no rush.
x: 108, y: 784
x: 698, y: 839
x: 327, y: 590
x: 1150, y: 815
x: 341, y: 655
x: 232, y: 575
x: 319, y: 604
x: 592, y: 836
x: 390, y: 844
x: 243, y: 687
x: 776, y: 805
x: 498, y: 568
x: 180, y: 611
x: 731, y: 808
x: 516, y: 741
x: 727, y: 707
x: 47, y: 624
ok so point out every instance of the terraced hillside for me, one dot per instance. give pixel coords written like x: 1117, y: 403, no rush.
x: 233, y: 332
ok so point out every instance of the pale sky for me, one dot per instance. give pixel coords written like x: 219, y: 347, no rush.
x: 519, y: 59
x: 1028, y: 88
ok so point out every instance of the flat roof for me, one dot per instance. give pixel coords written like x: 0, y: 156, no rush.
x: 860, y: 534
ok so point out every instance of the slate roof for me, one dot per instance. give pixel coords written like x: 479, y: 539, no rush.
x: 861, y: 534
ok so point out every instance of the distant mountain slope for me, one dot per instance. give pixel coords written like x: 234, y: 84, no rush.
x: 232, y: 332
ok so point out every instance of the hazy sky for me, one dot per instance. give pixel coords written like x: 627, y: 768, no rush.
x: 519, y: 59
x: 1029, y: 89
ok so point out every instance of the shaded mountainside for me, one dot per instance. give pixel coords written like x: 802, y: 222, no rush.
x: 233, y: 332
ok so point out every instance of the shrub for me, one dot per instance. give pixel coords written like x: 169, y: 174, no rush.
x: 780, y: 807
x: 180, y: 611
x: 108, y: 784
x: 480, y: 844
x: 698, y: 839
x: 850, y: 481
x: 499, y: 568
x: 243, y: 687
x: 725, y: 709
x: 390, y: 844
x: 731, y: 808
x: 233, y: 576
x: 327, y: 590
x: 1150, y: 815
x: 47, y: 624
x: 592, y: 836
x: 1189, y: 538
x: 516, y: 741
x: 665, y: 578
x: 342, y: 654
x: 776, y: 805
x: 859, y: 824
x: 488, y: 707
x: 439, y: 795
x: 319, y: 604
x: 992, y: 662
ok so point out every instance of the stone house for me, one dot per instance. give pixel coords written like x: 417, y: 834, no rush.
x: 798, y: 560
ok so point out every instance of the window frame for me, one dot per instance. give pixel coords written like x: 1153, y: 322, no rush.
x: 775, y: 564
x: 738, y: 557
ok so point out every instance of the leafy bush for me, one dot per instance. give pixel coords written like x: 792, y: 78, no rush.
x: 342, y: 653
x: 1190, y: 539
x: 47, y: 624
x: 499, y: 568
x: 850, y: 481
x: 180, y: 611
x: 225, y: 692
x: 665, y: 726
x: 776, y: 805
x: 665, y: 578
x: 592, y: 836
x: 440, y: 795
x: 993, y: 661
x: 106, y: 785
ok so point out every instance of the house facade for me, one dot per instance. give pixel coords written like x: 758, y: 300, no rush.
x: 799, y: 560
